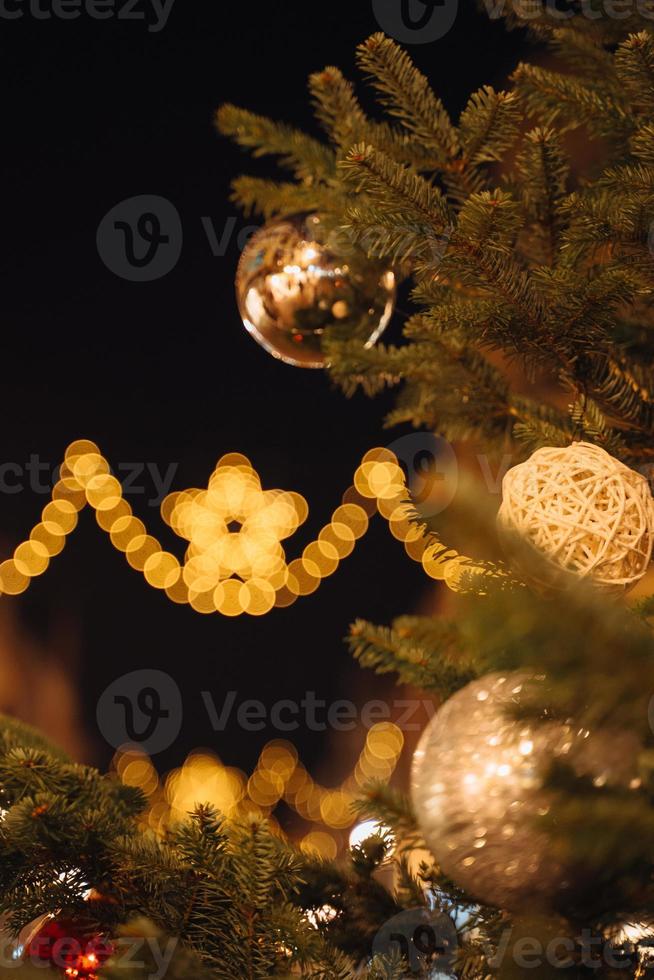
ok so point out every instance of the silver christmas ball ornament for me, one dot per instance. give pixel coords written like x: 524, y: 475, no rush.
x: 478, y: 789
x: 295, y: 286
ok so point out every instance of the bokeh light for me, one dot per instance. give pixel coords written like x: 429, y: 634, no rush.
x: 235, y: 562
x: 279, y: 777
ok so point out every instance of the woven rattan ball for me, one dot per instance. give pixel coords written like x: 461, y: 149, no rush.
x: 585, y: 513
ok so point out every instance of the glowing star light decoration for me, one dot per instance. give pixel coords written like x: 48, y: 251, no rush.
x: 235, y: 562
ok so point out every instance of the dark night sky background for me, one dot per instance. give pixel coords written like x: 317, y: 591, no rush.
x: 163, y: 372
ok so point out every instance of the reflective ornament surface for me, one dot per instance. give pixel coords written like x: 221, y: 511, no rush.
x: 73, y: 946
x: 294, y: 289
x: 631, y: 941
x: 477, y: 787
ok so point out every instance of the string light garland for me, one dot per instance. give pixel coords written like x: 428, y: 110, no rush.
x: 279, y: 777
x: 235, y: 562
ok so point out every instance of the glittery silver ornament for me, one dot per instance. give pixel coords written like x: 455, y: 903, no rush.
x: 293, y: 289
x: 478, y: 789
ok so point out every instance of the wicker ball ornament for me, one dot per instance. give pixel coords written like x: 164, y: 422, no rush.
x: 586, y: 515
x: 478, y: 790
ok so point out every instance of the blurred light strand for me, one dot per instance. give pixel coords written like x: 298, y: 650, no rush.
x: 279, y: 777
x: 235, y: 562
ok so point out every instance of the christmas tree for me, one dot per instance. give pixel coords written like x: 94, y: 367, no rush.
x: 528, y: 840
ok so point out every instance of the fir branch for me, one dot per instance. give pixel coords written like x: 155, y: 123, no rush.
x: 642, y: 143
x: 620, y: 393
x: 634, y: 65
x: 385, y: 182
x: 542, y: 170
x: 307, y: 158
x: 488, y: 126
x: 423, y: 652
x: 340, y: 114
x: 586, y: 55
x: 592, y: 426
x: 552, y: 98
x: 271, y: 198
x: 407, y: 96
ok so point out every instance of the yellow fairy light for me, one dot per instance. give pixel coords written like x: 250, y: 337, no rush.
x: 177, y: 591
x: 436, y: 559
x: 323, y: 556
x: 319, y: 844
x: 12, y: 580
x: 52, y: 542
x: 279, y: 757
x: 141, y: 773
x: 258, y: 597
x: 103, y: 491
x: 385, y: 740
x: 162, y: 570
x: 108, y: 517
x: 340, y: 537
x: 415, y: 543
x: 60, y: 517
x: 303, y: 577
x: 203, y: 602
x: 353, y: 517
x: 336, y: 809
x: 265, y: 787
x: 379, y: 454
x: 140, y: 549
x: 31, y: 558
x: 228, y: 597
x: 278, y: 776
x: 235, y: 562
x: 125, y: 530
x: 399, y: 521
x: 80, y: 447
